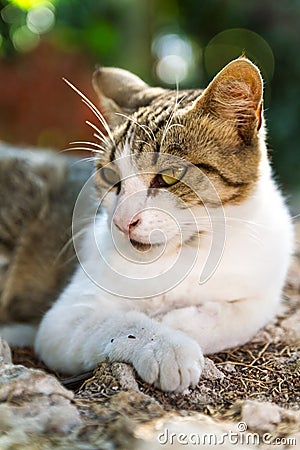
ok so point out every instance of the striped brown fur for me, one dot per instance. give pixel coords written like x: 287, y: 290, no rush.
x: 215, y: 129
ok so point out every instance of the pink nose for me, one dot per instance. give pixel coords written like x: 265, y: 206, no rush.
x: 126, y: 227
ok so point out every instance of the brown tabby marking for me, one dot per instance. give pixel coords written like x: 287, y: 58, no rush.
x: 215, y: 129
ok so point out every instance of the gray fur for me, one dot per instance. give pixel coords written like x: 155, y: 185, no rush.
x: 38, y: 190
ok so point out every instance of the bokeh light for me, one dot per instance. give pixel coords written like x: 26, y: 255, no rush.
x: 11, y: 14
x: 172, y: 69
x: 26, y: 21
x: 27, y: 4
x: 232, y: 43
x: 40, y: 19
x: 175, y: 57
x: 24, y: 40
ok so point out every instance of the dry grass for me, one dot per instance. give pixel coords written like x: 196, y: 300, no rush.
x: 262, y: 371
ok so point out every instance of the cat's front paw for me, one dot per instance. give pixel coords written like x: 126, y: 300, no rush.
x: 171, y: 363
x: 170, y: 360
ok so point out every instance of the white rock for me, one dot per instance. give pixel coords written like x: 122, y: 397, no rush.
x: 210, y: 371
x: 177, y: 433
x: 125, y: 375
x: 260, y: 416
x: 291, y: 326
x: 5, y: 353
x: 33, y: 402
x: 229, y: 367
x: 17, y: 380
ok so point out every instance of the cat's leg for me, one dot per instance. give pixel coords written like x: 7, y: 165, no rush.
x: 161, y: 355
x: 76, y: 335
x: 220, y: 325
x: 19, y: 334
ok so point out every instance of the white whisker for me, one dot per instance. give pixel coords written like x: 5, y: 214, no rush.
x: 85, y: 222
x: 204, y: 233
x: 249, y: 222
x: 100, y: 139
x: 86, y: 143
x: 88, y: 149
x: 91, y: 159
x: 100, y: 117
x: 144, y: 142
x: 167, y: 126
x: 93, y: 108
x: 145, y: 128
x: 101, y: 150
x: 101, y: 136
x: 175, y: 125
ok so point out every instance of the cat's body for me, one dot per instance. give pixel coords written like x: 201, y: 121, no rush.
x: 216, y: 275
x: 38, y: 192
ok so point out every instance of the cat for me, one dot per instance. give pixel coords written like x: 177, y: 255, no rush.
x: 190, y: 242
x: 38, y: 192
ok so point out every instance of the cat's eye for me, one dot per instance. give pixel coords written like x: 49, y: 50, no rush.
x: 171, y: 176
x: 109, y: 176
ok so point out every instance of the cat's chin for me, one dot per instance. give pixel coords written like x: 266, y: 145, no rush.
x: 142, y: 247
x: 147, y: 247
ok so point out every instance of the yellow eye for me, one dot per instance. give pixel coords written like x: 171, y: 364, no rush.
x: 171, y: 176
x: 109, y: 176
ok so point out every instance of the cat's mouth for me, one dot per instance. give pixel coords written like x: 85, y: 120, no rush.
x: 140, y: 246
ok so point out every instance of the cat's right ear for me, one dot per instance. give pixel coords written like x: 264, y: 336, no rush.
x: 121, y: 92
x: 235, y: 95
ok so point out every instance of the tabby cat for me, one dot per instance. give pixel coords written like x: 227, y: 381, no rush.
x: 38, y: 190
x: 189, y: 254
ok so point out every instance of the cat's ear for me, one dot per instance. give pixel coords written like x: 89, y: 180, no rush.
x: 235, y: 94
x: 121, y: 92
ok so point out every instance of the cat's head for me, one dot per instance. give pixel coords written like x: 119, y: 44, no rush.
x: 171, y: 154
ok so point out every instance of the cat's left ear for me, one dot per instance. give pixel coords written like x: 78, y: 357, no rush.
x: 236, y: 95
x: 121, y: 92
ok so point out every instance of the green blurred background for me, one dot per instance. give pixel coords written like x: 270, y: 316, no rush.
x: 164, y: 41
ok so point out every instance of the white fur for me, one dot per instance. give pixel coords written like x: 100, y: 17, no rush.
x: 165, y: 336
x: 19, y: 334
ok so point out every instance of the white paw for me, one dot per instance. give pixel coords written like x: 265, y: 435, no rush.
x: 170, y: 359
